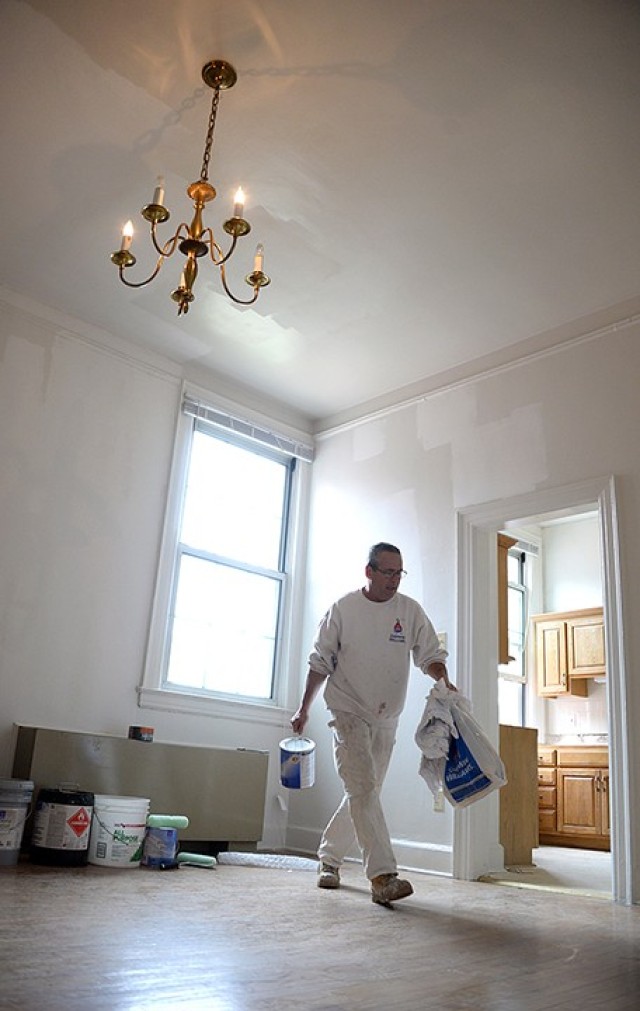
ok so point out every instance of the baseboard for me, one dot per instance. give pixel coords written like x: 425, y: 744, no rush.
x: 410, y: 854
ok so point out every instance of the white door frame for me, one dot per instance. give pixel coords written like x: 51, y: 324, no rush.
x: 476, y: 848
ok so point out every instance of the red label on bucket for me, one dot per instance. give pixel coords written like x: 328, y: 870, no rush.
x: 79, y: 821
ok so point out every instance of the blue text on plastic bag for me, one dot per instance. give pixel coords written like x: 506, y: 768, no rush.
x: 462, y: 775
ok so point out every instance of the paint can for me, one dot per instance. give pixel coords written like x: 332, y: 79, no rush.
x: 297, y: 762
x: 160, y: 848
x: 61, y: 826
x: 141, y: 733
x: 117, y: 831
x: 15, y: 801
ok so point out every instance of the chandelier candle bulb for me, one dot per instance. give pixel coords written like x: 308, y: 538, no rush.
x: 127, y: 236
x: 158, y: 193
x: 238, y: 205
x: 258, y: 260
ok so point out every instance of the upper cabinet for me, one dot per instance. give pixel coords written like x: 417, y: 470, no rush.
x: 585, y: 644
x: 569, y: 649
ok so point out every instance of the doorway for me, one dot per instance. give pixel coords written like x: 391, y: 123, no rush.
x: 554, y: 567
x: 476, y: 848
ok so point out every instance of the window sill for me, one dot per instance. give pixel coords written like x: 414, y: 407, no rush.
x: 199, y: 705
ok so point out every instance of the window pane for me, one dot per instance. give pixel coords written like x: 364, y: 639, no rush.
x: 511, y: 702
x: 234, y: 502
x: 516, y: 629
x: 223, y: 629
x: 513, y: 568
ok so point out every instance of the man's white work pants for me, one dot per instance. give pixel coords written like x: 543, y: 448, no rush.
x: 362, y: 753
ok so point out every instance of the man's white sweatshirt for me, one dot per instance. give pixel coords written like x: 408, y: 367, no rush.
x: 363, y: 647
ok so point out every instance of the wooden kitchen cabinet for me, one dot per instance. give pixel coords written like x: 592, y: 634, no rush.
x: 585, y: 644
x: 569, y: 649
x: 573, y: 796
x: 583, y: 802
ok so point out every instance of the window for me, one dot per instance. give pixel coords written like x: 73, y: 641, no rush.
x: 512, y: 680
x: 516, y: 611
x: 223, y: 596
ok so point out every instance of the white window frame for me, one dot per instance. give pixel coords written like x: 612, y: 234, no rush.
x: 152, y: 693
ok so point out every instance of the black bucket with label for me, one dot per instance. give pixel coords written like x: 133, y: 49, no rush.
x: 61, y: 826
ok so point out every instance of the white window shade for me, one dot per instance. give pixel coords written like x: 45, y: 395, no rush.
x: 280, y: 441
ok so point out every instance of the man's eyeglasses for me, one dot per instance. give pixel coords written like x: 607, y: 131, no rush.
x: 390, y: 573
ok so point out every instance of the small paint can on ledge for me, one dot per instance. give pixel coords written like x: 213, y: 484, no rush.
x: 297, y: 762
x: 141, y: 733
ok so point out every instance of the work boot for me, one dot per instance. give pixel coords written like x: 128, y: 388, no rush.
x: 388, y: 888
x: 328, y: 876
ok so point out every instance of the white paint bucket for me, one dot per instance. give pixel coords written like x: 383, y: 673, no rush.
x: 15, y: 800
x: 117, y: 831
x: 297, y: 762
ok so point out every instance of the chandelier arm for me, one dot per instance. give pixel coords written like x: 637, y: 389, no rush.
x: 238, y: 301
x: 165, y: 251
x: 141, y: 284
x: 213, y: 247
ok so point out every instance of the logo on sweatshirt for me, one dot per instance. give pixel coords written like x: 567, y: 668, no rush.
x: 397, y: 634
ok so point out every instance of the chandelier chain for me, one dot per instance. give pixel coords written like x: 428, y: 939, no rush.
x: 204, y: 171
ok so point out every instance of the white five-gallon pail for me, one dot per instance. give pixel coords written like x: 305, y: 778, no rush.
x: 15, y: 800
x: 117, y: 831
x: 297, y: 762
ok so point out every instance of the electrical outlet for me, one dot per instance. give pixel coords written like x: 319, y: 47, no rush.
x: 442, y: 639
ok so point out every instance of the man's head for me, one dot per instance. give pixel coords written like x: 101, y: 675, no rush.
x: 384, y: 572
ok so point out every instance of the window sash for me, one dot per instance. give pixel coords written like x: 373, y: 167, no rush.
x: 177, y: 622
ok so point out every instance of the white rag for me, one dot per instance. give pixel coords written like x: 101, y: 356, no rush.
x: 434, y: 733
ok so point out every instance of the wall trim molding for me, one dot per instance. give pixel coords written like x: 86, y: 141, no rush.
x: 412, y: 855
x: 62, y: 327
x: 466, y: 375
x: 57, y: 325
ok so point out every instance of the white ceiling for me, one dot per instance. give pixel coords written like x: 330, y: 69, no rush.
x: 434, y: 181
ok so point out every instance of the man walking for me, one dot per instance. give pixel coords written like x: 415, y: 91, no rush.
x: 361, y: 655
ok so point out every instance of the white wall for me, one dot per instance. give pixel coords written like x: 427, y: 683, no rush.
x: 86, y: 438
x: 572, y: 567
x: 553, y: 421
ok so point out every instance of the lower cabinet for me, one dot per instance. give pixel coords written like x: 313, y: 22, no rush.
x: 573, y: 796
x: 583, y: 802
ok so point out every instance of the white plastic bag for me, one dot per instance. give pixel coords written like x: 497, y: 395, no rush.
x: 457, y: 756
x: 473, y: 767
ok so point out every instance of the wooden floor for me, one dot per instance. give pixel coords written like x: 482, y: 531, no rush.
x: 563, y: 869
x: 238, y: 938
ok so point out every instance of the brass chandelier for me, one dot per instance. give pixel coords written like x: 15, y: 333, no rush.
x: 194, y: 240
